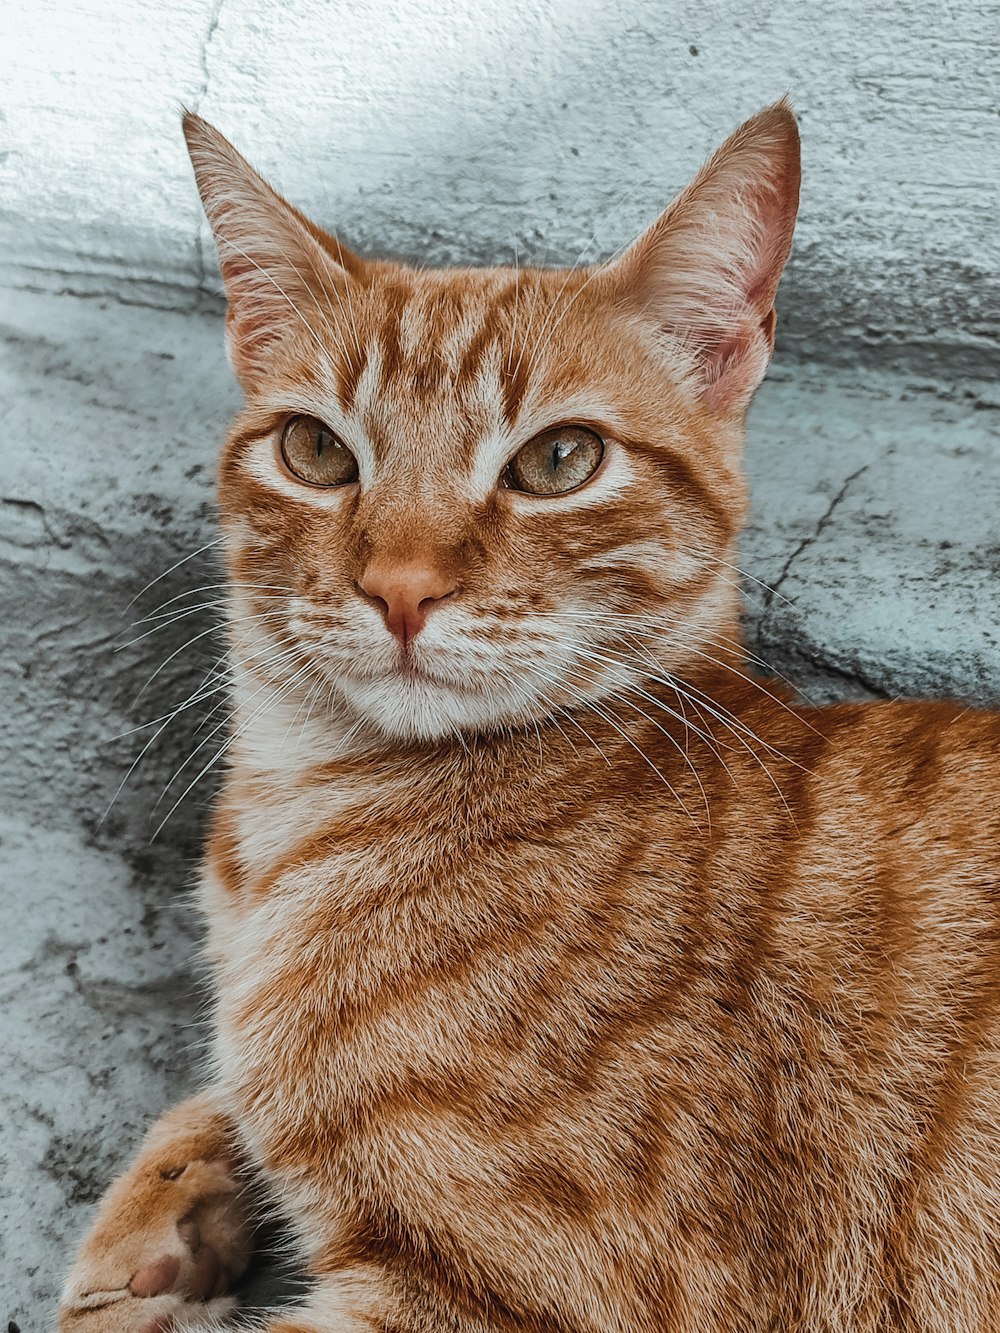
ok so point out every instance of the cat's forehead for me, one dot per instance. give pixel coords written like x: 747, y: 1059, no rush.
x: 427, y: 364
x: 428, y: 338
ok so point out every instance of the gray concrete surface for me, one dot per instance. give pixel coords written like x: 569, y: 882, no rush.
x: 874, y: 521
x: 446, y: 131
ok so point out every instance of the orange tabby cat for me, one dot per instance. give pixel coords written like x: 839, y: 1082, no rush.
x: 566, y: 980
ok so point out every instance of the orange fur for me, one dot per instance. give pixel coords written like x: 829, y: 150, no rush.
x: 568, y: 979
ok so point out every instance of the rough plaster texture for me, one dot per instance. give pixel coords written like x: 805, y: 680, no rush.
x: 873, y: 454
x: 560, y: 127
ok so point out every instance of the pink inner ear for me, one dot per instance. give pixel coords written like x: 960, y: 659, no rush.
x: 724, y: 355
x: 246, y: 327
x: 240, y: 339
x: 260, y: 305
x: 767, y: 327
x: 773, y: 237
x: 728, y: 364
x: 706, y: 273
x: 735, y: 364
x: 736, y: 358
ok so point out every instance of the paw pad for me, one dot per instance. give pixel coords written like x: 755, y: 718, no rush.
x: 157, y: 1277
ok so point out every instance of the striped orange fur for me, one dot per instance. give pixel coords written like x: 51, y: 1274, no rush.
x: 568, y: 978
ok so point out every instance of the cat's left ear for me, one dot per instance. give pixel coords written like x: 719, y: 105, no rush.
x: 281, y: 272
x: 703, y: 278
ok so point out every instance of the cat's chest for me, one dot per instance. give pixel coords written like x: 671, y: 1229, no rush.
x: 375, y: 951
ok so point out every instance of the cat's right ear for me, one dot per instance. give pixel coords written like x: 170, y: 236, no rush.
x: 280, y: 271
x: 703, y: 278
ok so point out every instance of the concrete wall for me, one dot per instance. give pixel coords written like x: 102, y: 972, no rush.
x: 452, y: 131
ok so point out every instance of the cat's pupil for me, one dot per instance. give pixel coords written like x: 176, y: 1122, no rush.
x: 320, y: 437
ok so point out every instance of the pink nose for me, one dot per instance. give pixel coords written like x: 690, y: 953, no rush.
x: 405, y: 594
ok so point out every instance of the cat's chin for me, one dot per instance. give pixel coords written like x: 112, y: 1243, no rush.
x: 411, y: 707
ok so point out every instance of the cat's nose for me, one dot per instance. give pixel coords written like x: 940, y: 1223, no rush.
x: 406, y: 594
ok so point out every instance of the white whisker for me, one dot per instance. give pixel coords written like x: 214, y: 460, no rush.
x: 607, y: 716
x: 281, y: 694
x: 176, y: 565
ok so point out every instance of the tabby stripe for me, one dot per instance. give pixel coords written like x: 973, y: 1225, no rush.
x: 683, y: 480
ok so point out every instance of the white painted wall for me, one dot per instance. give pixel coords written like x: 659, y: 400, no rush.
x: 451, y: 131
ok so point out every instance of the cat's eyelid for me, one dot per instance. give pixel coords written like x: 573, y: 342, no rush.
x: 332, y: 416
x: 262, y: 461
x: 612, y: 477
x: 496, y: 450
x: 607, y: 433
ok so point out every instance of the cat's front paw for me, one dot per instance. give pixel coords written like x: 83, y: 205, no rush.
x: 171, y: 1237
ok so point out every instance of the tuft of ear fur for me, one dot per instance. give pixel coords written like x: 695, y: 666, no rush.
x: 278, y: 268
x: 704, y: 276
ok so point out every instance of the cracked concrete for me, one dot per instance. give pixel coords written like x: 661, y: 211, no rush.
x: 203, y: 243
x: 775, y: 589
x: 889, y: 584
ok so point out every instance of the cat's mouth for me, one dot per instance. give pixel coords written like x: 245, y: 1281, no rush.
x: 412, y: 672
x: 406, y: 699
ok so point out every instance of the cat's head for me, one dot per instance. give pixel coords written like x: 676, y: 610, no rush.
x: 469, y: 498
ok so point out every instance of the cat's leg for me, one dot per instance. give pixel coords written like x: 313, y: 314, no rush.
x: 171, y: 1235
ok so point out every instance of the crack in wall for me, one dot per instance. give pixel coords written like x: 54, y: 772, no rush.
x: 36, y: 514
x: 213, y: 24
x: 806, y: 664
x: 177, y: 295
x: 814, y: 536
x: 770, y: 637
x: 201, y: 267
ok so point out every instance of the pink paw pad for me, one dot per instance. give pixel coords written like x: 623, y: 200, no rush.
x: 155, y: 1278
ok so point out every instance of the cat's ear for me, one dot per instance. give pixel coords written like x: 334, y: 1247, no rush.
x: 704, y: 276
x: 280, y: 270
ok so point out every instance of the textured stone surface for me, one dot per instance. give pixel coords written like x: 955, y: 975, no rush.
x: 559, y: 127
x: 875, y: 523
x: 874, y: 520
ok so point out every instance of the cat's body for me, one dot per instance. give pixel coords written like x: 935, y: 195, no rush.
x: 567, y: 979
x: 565, y: 1059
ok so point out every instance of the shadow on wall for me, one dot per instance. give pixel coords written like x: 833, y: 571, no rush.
x: 113, y: 417
x: 125, y: 411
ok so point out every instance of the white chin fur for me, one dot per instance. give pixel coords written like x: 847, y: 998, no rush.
x: 423, y: 710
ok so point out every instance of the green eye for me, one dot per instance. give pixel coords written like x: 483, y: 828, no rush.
x: 556, y: 461
x: 314, y: 454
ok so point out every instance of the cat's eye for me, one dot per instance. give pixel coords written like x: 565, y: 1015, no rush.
x: 556, y: 461
x: 314, y: 454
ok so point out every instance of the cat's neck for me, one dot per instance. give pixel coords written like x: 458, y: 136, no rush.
x: 297, y: 770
